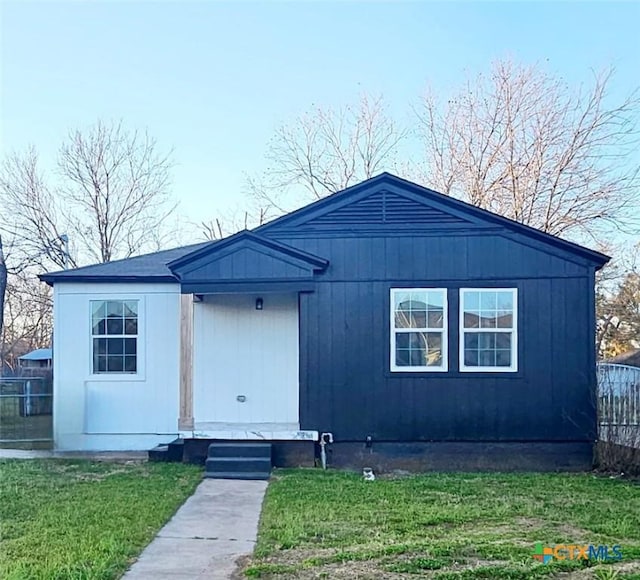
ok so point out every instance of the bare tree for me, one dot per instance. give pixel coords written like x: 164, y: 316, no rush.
x: 3, y: 291
x: 111, y: 199
x: 27, y: 316
x: 521, y: 143
x: 115, y: 188
x: 31, y: 218
x: 231, y: 222
x: 618, y: 305
x: 324, y: 151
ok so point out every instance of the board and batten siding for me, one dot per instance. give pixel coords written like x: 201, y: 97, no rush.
x: 116, y: 411
x: 347, y: 387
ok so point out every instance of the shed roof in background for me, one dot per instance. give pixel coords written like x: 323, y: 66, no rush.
x: 38, y: 354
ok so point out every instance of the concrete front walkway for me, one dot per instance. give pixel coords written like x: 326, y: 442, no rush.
x: 205, y: 537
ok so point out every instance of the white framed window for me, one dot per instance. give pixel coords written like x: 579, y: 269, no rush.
x: 418, y: 330
x: 488, y: 329
x: 114, y: 334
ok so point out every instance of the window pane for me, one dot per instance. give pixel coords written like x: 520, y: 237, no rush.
x: 505, y: 319
x: 98, y: 309
x: 419, y: 349
x: 99, y: 346
x: 471, y: 300
x: 115, y: 308
x: 471, y: 340
x: 130, y: 364
x: 471, y: 358
x: 115, y: 346
x: 115, y: 364
x: 487, y: 349
x: 402, y: 357
x: 435, y: 319
x: 402, y: 300
x: 488, y: 300
x: 472, y: 320
x: 435, y: 300
x: 114, y: 326
x: 411, y: 319
x: 504, y: 300
x: 99, y: 326
x: 488, y: 319
x: 99, y: 364
x: 487, y: 340
x: 131, y: 309
x: 434, y: 348
x: 130, y: 326
x: 130, y: 345
x: 487, y: 358
x: 417, y: 358
x: 503, y: 358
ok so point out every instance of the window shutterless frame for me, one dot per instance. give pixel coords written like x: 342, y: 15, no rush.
x: 123, y: 377
x: 491, y: 332
x: 418, y: 330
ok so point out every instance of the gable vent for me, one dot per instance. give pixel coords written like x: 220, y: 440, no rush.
x: 386, y: 208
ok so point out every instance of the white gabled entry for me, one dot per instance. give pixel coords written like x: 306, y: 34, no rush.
x: 245, y: 367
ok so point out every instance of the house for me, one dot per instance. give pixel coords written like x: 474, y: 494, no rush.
x: 36, y: 359
x: 413, y: 329
x: 630, y: 358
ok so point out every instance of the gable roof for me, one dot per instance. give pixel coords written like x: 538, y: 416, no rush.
x: 246, y: 262
x: 395, y: 202
x: 455, y: 209
x: 248, y: 240
x: 146, y: 268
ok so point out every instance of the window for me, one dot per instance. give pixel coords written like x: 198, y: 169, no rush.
x: 418, y: 329
x: 488, y: 329
x: 114, y: 329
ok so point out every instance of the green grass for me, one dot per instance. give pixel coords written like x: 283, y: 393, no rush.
x: 77, y: 520
x: 447, y: 526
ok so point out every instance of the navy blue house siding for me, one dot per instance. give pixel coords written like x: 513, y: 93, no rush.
x: 346, y: 384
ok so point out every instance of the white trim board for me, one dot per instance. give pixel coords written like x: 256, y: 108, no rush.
x: 248, y: 433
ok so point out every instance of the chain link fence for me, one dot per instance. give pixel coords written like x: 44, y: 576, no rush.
x: 26, y: 412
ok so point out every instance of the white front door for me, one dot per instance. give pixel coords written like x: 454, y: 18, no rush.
x: 246, y: 362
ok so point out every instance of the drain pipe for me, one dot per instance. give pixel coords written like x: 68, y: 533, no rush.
x: 325, y: 439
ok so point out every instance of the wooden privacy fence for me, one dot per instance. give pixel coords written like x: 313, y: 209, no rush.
x: 619, y: 404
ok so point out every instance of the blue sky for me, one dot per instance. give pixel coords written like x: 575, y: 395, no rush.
x: 213, y: 80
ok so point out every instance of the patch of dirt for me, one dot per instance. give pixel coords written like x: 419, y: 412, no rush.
x: 78, y: 473
x: 361, y: 569
x: 590, y: 573
x: 241, y: 564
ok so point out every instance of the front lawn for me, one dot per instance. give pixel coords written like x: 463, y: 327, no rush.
x: 64, y: 519
x: 448, y: 526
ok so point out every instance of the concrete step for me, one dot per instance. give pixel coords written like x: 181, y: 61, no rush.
x: 233, y: 475
x: 241, y: 449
